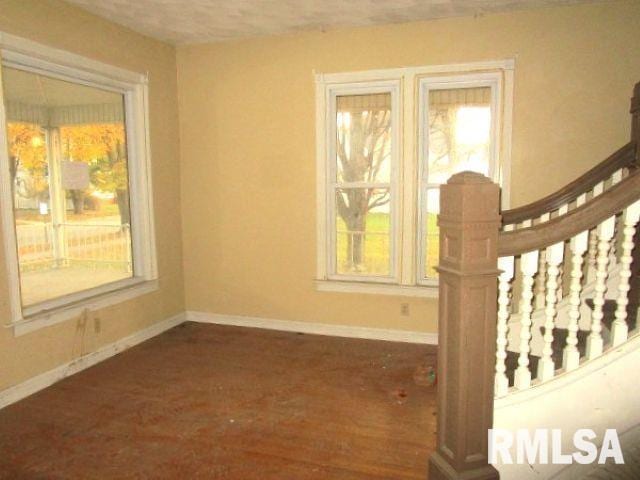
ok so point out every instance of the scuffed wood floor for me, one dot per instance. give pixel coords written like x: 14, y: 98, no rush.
x: 215, y: 402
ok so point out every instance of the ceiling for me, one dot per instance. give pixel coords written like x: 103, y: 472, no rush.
x: 201, y: 21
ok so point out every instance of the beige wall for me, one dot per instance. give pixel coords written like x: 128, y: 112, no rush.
x: 60, y: 25
x: 247, y: 141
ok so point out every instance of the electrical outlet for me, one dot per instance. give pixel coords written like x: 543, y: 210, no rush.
x: 404, y: 309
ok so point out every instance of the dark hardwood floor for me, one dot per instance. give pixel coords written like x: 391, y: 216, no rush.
x: 215, y: 402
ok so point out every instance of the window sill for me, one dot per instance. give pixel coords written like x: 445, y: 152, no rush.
x: 135, y: 288
x: 377, y: 288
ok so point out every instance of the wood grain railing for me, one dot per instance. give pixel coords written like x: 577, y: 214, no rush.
x: 566, y: 262
x: 625, y: 158
x: 584, y: 217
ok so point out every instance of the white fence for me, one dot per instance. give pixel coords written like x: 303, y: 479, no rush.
x: 35, y: 245
x: 44, y: 245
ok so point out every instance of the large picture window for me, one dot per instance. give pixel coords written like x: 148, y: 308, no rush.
x: 75, y: 178
x: 387, y: 140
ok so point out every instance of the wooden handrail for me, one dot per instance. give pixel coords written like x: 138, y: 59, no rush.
x: 624, y: 157
x: 564, y: 227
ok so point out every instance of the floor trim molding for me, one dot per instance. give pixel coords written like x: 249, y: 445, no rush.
x: 315, y: 328
x: 43, y: 380
x: 39, y: 382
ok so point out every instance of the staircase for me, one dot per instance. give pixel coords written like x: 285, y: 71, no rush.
x: 569, y: 296
x: 564, y: 325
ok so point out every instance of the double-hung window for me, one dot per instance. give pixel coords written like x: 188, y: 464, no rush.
x: 75, y: 182
x: 363, y: 181
x: 458, y: 131
x: 386, y: 141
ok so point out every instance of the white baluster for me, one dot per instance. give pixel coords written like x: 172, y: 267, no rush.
x: 540, y: 282
x: 542, y: 272
x: 592, y: 253
x: 630, y: 218
x: 506, y: 265
x: 593, y: 241
x: 581, y: 200
x: 563, y: 210
x: 528, y: 267
x: 554, y: 256
x: 605, y: 233
x: 616, y: 177
x: 571, y: 355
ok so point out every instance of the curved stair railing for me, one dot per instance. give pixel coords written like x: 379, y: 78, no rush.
x: 589, y: 185
x: 562, y: 272
x: 611, y: 219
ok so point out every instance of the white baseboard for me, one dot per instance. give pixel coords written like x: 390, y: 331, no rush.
x: 39, y: 382
x: 315, y: 328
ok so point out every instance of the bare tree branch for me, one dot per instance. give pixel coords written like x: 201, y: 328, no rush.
x: 382, y: 200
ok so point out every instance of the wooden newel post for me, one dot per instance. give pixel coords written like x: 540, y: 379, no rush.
x: 469, y: 223
x: 635, y: 121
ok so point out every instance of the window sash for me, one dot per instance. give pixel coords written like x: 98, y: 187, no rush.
x: 333, y: 185
x: 427, y: 85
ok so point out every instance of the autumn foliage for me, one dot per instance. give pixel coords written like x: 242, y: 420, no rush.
x: 102, y: 146
x: 28, y: 152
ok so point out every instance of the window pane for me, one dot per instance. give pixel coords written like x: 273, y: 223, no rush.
x: 68, y: 161
x: 363, y: 143
x: 432, y: 232
x: 363, y: 231
x: 459, y: 132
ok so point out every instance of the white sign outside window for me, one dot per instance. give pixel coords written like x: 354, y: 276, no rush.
x: 75, y: 175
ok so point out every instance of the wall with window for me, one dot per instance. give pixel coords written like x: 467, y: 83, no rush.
x: 386, y: 140
x: 248, y: 123
x: 56, y: 24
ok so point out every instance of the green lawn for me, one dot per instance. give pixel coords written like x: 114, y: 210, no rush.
x: 376, y: 259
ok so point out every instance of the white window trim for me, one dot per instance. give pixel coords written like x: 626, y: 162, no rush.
x: 408, y: 276
x: 24, y: 54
